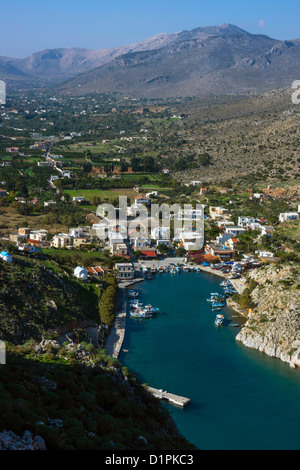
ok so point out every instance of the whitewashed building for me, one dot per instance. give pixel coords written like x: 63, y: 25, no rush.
x: 81, y: 273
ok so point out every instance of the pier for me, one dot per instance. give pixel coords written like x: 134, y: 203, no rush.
x: 163, y: 395
x: 116, y: 337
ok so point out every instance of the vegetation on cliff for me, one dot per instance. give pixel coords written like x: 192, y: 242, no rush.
x: 77, y: 397
x: 36, y: 296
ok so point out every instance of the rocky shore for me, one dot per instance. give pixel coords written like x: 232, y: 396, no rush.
x: 273, y: 326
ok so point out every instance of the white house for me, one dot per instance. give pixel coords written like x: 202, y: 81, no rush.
x: 159, y: 233
x: 235, y: 230
x: 6, y: 256
x: 140, y: 242
x: 153, y: 194
x: 245, y: 221
x: 265, y: 254
x: 225, y: 223
x: 223, y: 238
x: 190, y: 214
x: 118, y: 249
x: 62, y: 240
x: 78, y: 198
x: 124, y: 271
x: 117, y: 234
x: 39, y: 236
x: 54, y: 178
x: 49, y: 203
x: 288, y: 216
x: 81, y: 273
x: 80, y: 232
x: 142, y: 200
x: 99, y: 231
x: 266, y: 230
x: 191, y: 240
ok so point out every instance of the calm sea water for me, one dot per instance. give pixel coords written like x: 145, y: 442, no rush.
x: 240, y: 398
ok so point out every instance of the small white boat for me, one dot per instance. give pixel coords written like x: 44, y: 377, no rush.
x: 140, y: 314
x: 219, y: 320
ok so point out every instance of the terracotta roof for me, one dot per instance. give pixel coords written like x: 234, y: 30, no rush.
x: 149, y: 253
x: 95, y: 270
x: 34, y: 241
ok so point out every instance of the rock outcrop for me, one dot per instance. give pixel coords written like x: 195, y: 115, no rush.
x: 10, y: 441
x: 273, y: 326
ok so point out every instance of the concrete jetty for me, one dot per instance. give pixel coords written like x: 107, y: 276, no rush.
x: 164, y: 395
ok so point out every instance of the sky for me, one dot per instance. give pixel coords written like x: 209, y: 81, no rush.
x: 33, y: 25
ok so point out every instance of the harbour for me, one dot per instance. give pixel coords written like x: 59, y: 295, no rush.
x: 239, y: 398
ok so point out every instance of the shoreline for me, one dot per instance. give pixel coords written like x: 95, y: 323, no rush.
x: 237, y: 284
x: 116, y: 337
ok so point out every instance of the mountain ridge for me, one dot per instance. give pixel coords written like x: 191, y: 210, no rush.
x: 214, y: 60
x: 61, y: 63
x: 209, y: 60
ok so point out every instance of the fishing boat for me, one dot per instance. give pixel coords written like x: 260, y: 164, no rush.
x: 132, y: 294
x: 216, y: 298
x: 138, y: 305
x: 217, y: 306
x: 219, y: 320
x: 151, y: 309
x: 140, y: 314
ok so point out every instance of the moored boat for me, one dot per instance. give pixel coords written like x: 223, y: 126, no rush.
x: 219, y: 320
x: 140, y: 314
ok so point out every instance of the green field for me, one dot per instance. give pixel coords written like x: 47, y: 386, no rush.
x: 104, y: 194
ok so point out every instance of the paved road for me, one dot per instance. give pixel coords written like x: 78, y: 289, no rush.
x: 116, y: 337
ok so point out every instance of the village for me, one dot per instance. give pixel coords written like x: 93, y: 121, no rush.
x: 141, y: 246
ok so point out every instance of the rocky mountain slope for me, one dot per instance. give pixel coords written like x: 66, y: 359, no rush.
x: 34, y: 298
x: 255, y: 137
x: 78, y: 398
x: 211, y: 60
x: 62, y: 63
x: 214, y: 60
x: 274, y: 325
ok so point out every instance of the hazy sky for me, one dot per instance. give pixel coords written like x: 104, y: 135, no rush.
x: 31, y: 25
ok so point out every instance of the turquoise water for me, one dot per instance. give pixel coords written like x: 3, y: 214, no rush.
x: 240, y: 398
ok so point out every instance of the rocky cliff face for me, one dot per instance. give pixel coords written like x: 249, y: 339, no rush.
x: 274, y: 325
